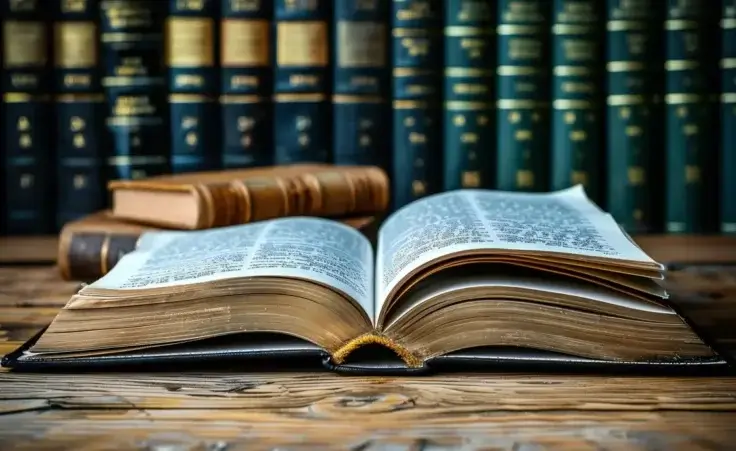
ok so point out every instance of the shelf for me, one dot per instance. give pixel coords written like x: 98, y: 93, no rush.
x: 717, y: 249
x: 28, y: 249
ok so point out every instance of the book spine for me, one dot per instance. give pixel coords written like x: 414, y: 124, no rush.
x: 687, y: 200
x: 468, y: 93
x: 301, y: 119
x: 576, y: 115
x: 87, y: 256
x: 80, y: 111
x: 193, y: 84
x: 522, y: 84
x: 28, y: 155
x: 728, y: 117
x: 417, y: 93
x: 246, y: 84
x: 134, y: 87
x: 631, y: 137
x: 361, y: 83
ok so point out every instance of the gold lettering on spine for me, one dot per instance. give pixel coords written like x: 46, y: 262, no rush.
x: 74, y: 6
x: 190, y: 42
x: 302, y: 44
x: 363, y: 44
x: 24, y: 44
x: 245, y: 43
x: 75, y: 45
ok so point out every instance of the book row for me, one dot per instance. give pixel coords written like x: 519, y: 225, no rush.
x: 633, y: 99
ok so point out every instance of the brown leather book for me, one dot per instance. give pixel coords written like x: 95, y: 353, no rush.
x: 212, y: 199
x: 91, y: 246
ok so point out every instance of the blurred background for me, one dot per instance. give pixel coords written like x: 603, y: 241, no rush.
x: 634, y: 99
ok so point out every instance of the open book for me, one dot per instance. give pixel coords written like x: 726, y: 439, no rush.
x: 469, y: 274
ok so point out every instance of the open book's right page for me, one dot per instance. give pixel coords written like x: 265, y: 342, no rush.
x: 563, y: 221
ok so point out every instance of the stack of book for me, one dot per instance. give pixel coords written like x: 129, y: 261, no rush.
x: 633, y: 99
x: 91, y: 246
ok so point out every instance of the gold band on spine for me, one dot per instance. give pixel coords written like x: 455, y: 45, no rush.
x: 104, y: 251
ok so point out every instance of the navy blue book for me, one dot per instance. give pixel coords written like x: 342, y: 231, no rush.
x: 27, y: 155
x: 417, y: 99
x: 80, y: 111
x: 301, y: 118
x: 134, y: 84
x: 577, y: 38
x: 633, y: 139
x: 361, y: 83
x: 523, y: 90
x: 468, y: 123
x: 728, y: 117
x: 246, y: 84
x: 191, y: 42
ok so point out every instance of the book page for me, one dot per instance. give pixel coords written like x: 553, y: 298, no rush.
x: 563, y: 221
x: 319, y: 250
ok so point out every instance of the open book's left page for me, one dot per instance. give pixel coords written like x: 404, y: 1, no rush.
x: 319, y: 250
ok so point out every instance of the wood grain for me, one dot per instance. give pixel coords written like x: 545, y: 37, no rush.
x: 406, y: 397
x: 301, y: 429
x: 249, y: 410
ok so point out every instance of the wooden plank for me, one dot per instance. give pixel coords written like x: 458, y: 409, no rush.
x: 445, y: 394
x: 34, y: 286
x: 689, y: 248
x: 355, y: 426
x: 28, y: 249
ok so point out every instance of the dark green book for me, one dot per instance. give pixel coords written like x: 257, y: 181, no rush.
x: 688, y: 201
x: 577, y: 95
x: 246, y: 84
x: 27, y: 156
x: 417, y: 99
x: 301, y: 118
x: 728, y: 117
x: 468, y: 93
x: 80, y: 111
x: 134, y: 84
x: 523, y: 89
x: 191, y: 43
x: 361, y: 81
x: 633, y: 126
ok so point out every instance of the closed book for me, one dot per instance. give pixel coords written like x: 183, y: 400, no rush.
x: 80, y: 111
x: 634, y: 130
x: 91, y: 246
x: 577, y: 60
x: 416, y: 33
x: 220, y: 198
x: 361, y: 81
x: 301, y: 116
x: 688, y: 160
x: 191, y: 45
x: 523, y: 90
x: 728, y: 117
x: 134, y: 82
x: 246, y: 83
x: 27, y: 150
x: 468, y: 122
x: 466, y: 279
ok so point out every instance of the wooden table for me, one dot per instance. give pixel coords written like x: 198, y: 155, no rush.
x: 229, y: 411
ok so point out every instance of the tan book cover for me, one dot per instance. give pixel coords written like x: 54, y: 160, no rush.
x: 213, y: 199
